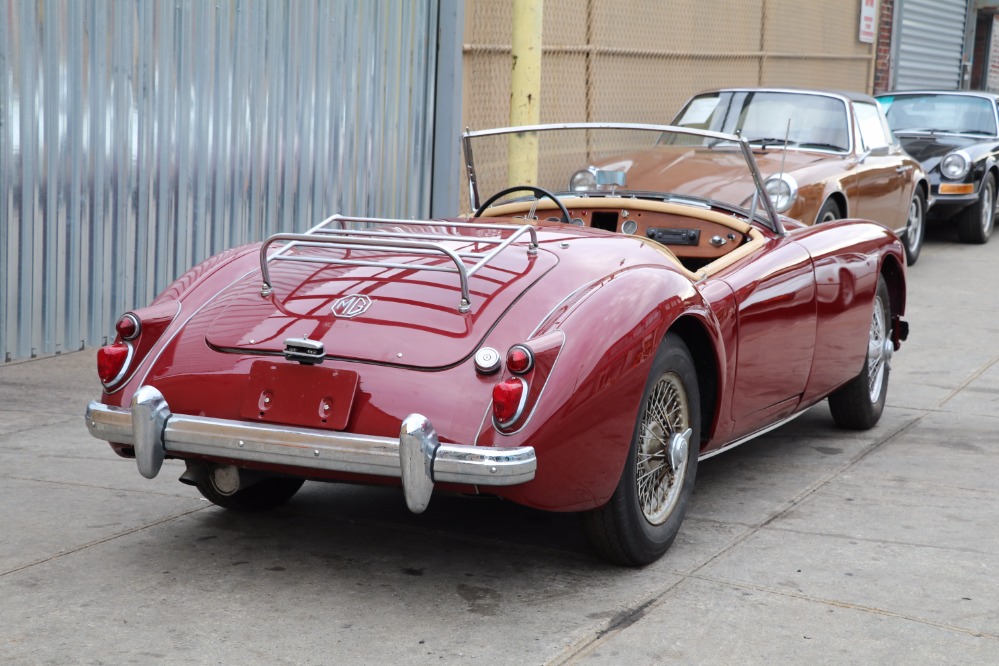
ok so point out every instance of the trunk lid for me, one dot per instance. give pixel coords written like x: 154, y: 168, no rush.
x: 392, y: 306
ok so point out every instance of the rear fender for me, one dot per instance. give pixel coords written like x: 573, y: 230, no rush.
x: 582, y: 427
x: 185, y: 297
x: 244, y: 257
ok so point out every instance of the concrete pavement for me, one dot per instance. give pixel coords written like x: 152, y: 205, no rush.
x: 810, y: 544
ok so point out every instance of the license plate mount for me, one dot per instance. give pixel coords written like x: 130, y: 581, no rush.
x: 310, y: 396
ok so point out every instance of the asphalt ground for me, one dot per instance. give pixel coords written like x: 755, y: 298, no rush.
x: 808, y: 545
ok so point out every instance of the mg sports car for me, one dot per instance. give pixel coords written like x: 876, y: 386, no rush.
x: 566, y: 347
x: 825, y: 155
x: 955, y: 135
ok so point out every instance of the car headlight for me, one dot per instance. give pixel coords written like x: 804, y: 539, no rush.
x: 582, y: 181
x: 955, y: 165
x: 782, y: 190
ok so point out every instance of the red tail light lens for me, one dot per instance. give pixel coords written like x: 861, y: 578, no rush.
x: 111, y: 361
x: 128, y: 326
x: 519, y: 359
x: 508, y: 399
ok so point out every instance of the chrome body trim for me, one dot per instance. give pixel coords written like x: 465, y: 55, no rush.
x: 417, y: 456
x: 743, y: 440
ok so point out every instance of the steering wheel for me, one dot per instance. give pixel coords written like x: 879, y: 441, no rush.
x: 538, y: 193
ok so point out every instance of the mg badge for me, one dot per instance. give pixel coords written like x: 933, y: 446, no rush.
x: 350, y: 306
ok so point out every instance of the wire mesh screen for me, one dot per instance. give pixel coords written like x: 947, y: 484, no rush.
x: 639, y: 60
x: 499, y: 162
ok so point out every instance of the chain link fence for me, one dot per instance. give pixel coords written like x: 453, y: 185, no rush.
x: 640, y: 60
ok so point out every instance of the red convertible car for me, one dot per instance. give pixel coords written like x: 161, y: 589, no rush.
x: 568, y: 349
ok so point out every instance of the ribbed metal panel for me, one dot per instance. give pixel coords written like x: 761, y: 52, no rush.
x: 930, y: 44
x: 138, y: 137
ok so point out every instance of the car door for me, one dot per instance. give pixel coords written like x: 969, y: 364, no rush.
x: 881, y: 185
x: 774, y: 294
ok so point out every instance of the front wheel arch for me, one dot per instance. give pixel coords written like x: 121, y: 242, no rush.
x: 894, y: 277
x: 837, y: 205
x: 698, y: 340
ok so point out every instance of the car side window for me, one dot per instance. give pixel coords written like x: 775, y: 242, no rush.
x: 873, y: 132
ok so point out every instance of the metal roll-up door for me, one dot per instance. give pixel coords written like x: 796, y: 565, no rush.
x: 929, y: 43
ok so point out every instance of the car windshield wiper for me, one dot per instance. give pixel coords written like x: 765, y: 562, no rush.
x: 937, y: 130
x: 768, y: 141
x: 828, y: 146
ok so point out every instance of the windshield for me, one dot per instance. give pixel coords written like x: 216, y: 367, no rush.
x: 600, y: 160
x: 806, y: 120
x: 951, y: 114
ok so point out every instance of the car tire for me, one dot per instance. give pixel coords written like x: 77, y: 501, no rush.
x: 643, y: 516
x: 858, y: 405
x: 975, y: 223
x: 915, y: 228
x: 263, y: 495
x: 830, y: 211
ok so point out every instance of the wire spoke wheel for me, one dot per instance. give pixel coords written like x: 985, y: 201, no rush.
x: 666, y: 413
x: 643, y: 515
x: 879, y: 349
x: 858, y: 404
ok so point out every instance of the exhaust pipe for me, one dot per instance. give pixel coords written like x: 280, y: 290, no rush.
x: 225, y: 479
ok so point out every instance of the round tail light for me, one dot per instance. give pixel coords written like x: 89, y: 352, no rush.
x: 519, y: 359
x: 128, y: 327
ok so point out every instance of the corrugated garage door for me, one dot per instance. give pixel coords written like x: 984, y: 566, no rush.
x: 929, y: 43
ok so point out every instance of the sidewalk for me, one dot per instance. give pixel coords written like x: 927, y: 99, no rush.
x: 810, y: 544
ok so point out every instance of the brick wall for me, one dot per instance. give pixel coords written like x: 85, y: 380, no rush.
x: 882, y: 59
x: 992, y: 83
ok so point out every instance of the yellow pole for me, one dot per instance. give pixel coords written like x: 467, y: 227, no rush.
x: 525, y: 102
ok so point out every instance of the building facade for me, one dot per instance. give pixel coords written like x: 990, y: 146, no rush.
x: 138, y: 137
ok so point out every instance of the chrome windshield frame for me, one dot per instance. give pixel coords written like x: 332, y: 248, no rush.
x: 773, y: 218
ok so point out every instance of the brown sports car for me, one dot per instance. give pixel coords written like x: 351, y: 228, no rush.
x: 825, y: 155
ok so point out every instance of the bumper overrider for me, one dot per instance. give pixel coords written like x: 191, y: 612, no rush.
x: 417, y: 456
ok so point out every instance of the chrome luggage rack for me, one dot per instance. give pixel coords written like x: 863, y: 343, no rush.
x: 372, y: 238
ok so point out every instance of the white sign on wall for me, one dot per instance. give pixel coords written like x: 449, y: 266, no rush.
x: 868, y: 20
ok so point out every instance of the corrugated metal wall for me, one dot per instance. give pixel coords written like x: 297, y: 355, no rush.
x: 138, y: 137
x: 929, y: 43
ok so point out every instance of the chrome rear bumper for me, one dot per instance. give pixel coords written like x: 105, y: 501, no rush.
x: 417, y: 457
